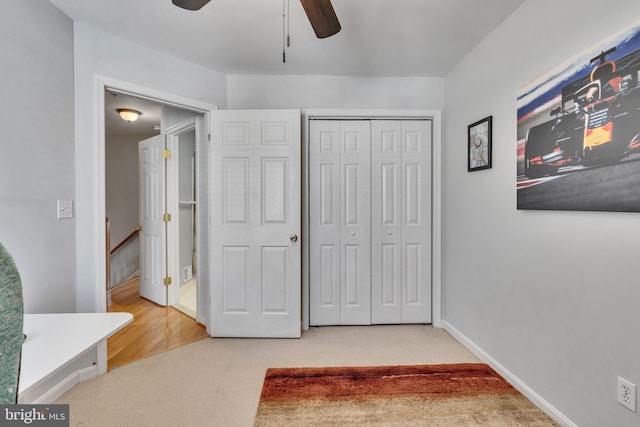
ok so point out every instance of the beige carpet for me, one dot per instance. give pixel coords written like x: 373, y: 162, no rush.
x: 217, y: 382
x: 459, y: 394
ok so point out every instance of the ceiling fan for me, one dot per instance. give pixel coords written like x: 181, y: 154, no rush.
x: 321, y: 15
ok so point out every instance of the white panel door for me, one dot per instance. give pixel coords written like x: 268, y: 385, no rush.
x: 255, y: 224
x: 401, y: 221
x: 386, y: 220
x: 153, y: 236
x: 339, y: 222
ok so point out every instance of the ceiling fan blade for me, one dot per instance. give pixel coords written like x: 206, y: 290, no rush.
x: 322, y: 17
x: 190, y: 4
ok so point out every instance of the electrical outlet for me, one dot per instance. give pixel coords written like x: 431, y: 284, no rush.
x: 186, y: 274
x: 65, y: 209
x: 627, y: 394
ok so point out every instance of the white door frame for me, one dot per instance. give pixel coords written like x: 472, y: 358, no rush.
x: 173, y: 204
x: 103, y: 83
x: 436, y: 195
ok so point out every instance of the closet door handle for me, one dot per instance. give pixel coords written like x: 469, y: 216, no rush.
x: 293, y: 238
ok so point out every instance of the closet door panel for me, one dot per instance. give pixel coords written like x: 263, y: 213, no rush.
x: 324, y: 219
x: 401, y: 219
x: 386, y: 222
x: 416, y: 223
x: 339, y: 222
x: 356, y: 222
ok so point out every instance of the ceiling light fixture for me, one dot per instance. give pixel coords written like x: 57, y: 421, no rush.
x: 128, y: 115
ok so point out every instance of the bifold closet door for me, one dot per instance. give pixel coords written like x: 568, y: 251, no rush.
x: 400, y: 221
x: 339, y: 222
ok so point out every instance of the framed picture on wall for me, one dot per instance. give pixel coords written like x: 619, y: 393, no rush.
x: 479, y: 145
x: 578, y: 130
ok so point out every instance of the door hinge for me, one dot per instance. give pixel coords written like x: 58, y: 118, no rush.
x: 166, y: 217
x: 167, y: 281
x: 166, y: 154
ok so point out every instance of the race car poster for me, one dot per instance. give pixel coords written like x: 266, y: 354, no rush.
x: 579, y: 131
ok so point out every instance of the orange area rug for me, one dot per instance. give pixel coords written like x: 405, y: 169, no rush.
x: 431, y: 395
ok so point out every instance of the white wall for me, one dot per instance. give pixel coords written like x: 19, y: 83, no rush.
x: 335, y: 92
x: 170, y: 117
x: 552, y: 296
x: 100, y: 54
x: 37, y: 160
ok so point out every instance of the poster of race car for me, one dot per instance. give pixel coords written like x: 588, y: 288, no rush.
x: 579, y: 131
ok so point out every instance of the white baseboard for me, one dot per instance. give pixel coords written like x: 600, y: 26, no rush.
x: 87, y: 373
x: 57, y: 390
x: 49, y: 392
x: 523, y: 388
x: 53, y: 393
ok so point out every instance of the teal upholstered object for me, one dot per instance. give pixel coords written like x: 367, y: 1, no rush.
x: 11, y: 320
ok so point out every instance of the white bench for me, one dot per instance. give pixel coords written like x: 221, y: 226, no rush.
x: 63, y: 349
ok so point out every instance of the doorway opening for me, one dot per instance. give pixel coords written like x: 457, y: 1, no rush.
x: 181, y: 131
x: 186, y: 295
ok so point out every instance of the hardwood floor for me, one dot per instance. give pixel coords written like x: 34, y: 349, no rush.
x: 154, y: 329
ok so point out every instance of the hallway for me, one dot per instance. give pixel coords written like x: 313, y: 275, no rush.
x: 154, y: 329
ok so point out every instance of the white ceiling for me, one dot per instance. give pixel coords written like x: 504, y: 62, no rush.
x: 378, y: 37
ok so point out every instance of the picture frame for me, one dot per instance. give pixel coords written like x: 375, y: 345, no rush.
x: 578, y: 130
x: 479, y: 145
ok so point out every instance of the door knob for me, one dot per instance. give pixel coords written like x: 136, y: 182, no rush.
x: 293, y: 238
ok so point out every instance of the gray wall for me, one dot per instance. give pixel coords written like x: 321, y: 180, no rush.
x: 551, y: 296
x: 122, y: 187
x: 37, y: 164
x: 122, y: 203
x: 246, y: 91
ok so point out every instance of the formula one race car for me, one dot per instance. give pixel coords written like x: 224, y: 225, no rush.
x: 598, y: 121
